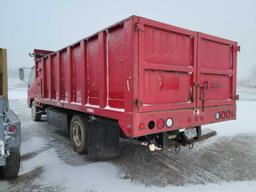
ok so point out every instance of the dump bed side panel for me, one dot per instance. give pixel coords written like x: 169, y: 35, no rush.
x: 94, y: 75
x: 97, y: 67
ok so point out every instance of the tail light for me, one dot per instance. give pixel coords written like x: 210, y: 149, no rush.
x: 228, y: 114
x: 160, y: 123
x: 141, y: 126
x: 11, y: 129
x: 222, y: 115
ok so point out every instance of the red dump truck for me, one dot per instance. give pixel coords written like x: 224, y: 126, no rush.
x: 140, y: 79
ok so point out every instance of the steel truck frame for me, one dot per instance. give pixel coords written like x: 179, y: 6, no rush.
x: 140, y: 79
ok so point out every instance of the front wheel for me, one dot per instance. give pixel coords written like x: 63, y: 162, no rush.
x: 35, y: 113
x: 79, y: 133
x: 12, y: 167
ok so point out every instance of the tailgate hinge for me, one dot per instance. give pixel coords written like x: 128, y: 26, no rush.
x: 139, y: 27
x: 138, y: 102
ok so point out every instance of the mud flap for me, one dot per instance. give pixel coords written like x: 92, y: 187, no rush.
x: 58, y: 119
x: 103, y: 139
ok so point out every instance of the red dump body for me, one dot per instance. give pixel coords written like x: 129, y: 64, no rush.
x: 139, y: 71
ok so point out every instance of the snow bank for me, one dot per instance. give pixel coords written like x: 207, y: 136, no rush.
x: 106, y: 177
x: 18, y: 93
x: 94, y: 176
x: 248, y: 186
x: 32, y: 145
x: 247, y: 93
x: 17, y: 89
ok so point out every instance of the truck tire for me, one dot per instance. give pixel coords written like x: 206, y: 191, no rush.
x: 12, y: 167
x: 79, y: 133
x: 35, y: 114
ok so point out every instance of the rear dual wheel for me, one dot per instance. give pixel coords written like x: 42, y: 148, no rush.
x: 79, y: 133
x: 98, y: 138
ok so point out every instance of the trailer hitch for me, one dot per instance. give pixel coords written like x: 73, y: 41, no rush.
x: 190, y: 143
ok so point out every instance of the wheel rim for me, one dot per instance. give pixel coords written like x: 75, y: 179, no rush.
x: 77, y: 133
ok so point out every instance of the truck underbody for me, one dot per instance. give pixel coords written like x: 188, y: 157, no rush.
x: 103, y: 134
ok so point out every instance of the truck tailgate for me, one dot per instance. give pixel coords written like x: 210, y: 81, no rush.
x: 179, y: 68
x: 217, y: 69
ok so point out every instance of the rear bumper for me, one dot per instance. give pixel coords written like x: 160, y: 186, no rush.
x: 184, y: 118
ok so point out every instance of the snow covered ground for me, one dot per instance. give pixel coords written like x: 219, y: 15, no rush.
x: 226, y: 162
x: 247, y: 93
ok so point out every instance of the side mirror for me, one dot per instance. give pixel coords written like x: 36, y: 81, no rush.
x: 21, y: 74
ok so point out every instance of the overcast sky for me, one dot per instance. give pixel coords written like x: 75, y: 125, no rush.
x: 53, y: 24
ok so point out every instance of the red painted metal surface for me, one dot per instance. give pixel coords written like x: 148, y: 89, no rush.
x: 140, y: 70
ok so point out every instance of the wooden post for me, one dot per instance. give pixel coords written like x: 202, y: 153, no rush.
x: 3, y: 73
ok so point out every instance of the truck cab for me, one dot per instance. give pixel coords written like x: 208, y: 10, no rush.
x: 33, y: 86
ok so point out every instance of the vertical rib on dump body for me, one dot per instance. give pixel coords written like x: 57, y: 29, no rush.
x: 140, y: 71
